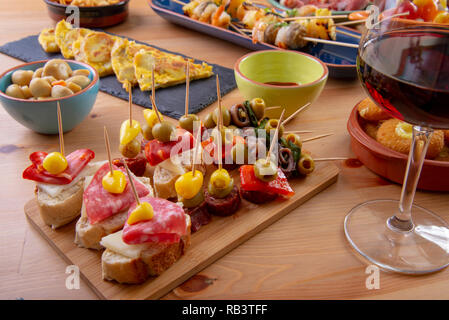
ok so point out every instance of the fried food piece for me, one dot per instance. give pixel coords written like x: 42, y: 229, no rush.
x: 444, y: 154
x: 446, y: 136
x: 47, y: 40
x: 68, y: 50
x: 371, y: 129
x: 397, y: 135
x: 368, y: 110
x: 61, y: 29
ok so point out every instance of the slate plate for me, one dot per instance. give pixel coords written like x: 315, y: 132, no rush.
x: 170, y: 101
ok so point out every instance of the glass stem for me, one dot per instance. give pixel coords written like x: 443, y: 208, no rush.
x: 402, y: 221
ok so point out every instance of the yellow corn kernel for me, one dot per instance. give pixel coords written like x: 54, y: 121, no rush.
x: 114, y: 183
x: 144, y: 211
x: 188, y: 185
x: 55, y: 163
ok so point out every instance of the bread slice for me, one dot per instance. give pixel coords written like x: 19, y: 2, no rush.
x: 135, y: 263
x: 168, y: 171
x: 60, y: 204
x: 89, y: 235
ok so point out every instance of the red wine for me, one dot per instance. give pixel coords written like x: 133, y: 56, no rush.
x: 407, y: 73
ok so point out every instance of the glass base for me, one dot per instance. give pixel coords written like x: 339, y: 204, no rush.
x: 423, y: 249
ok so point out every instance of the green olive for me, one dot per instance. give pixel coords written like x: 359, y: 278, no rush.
x: 265, y: 170
x: 306, y: 164
x: 130, y: 150
x: 163, y: 131
x: 226, y: 135
x: 226, y: 116
x: 295, y: 139
x: 186, y: 121
x: 209, y: 121
x: 272, y: 124
x: 258, y: 105
x: 147, y: 131
x: 193, y: 202
x: 220, y: 192
x: 240, y: 153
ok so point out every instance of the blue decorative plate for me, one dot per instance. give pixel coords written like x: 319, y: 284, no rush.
x: 340, y: 60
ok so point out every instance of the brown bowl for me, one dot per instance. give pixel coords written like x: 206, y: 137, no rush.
x: 391, y: 164
x: 91, y: 17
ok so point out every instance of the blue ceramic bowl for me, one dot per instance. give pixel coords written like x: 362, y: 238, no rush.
x: 41, y: 115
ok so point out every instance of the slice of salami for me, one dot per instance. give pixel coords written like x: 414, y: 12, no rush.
x: 101, y: 204
x: 167, y: 226
x: 76, y: 161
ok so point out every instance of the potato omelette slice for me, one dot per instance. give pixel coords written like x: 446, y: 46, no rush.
x: 70, y: 38
x: 47, y: 40
x: 61, y: 29
x: 122, y: 58
x: 95, y: 50
x: 169, y: 69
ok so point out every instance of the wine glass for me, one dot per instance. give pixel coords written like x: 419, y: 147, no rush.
x: 404, y: 67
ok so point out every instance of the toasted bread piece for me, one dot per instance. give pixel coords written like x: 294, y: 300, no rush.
x: 89, y: 235
x: 152, y: 259
x: 167, y: 172
x: 63, y: 204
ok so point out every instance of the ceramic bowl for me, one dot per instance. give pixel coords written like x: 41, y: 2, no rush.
x: 254, y: 70
x: 391, y: 164
x: 41, y: 115
x: 91, y: 17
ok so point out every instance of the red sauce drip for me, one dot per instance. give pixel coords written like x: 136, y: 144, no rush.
x: 197, y: 283
x: 285, y: 84
x: 353, y: 163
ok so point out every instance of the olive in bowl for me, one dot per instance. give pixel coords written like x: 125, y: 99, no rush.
x: 29, y: 93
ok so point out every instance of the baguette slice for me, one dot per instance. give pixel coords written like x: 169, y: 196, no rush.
x: 133, y: 264
x: 60, y: 204
x: 89, y: 235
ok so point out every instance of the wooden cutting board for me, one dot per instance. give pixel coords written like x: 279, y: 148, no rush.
x: 208, y: 244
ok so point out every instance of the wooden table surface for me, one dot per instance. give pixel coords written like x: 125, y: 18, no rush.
x: 302, y: 256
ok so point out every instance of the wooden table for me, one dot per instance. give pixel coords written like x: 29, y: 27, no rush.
x: 303, y: 256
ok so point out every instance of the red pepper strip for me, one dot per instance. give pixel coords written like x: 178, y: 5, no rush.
x: 76, y: 161
x: 156, y: 151
x: 249, y: 182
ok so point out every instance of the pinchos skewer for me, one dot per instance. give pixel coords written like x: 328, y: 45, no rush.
x: 339, y: 16
x: 186, y: 107
x: 219, y: 125
x: 275, y: 137
x: 130, y: 100
x: 299, y: 131
x: 348, y: 34
x: 330, y: 159
x: 131, y: 182
x: 108, y: 150
x: 318, y: 137
x: 60, y: 130
x: 294, y: 114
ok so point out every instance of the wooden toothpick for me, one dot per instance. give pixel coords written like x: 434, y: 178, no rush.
x: 130, y: 100
x: 330, y: 159
x: 155, y: 109
x: 60, y: 130
x: 108, y: 150
x: 131, y: 182
x: 299, y: 131
x: 296, y: 113
x: 187, y: 87
x: 219, y: 125
x: 317, y: 137
x: 275, y: 137
x: 195, y: 150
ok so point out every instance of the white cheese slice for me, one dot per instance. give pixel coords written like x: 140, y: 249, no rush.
x: 53, y: 190
x: 114, y: 242
x: 168, y: 165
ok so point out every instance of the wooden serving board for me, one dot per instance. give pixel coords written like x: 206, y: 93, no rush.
x: 208, y: 244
